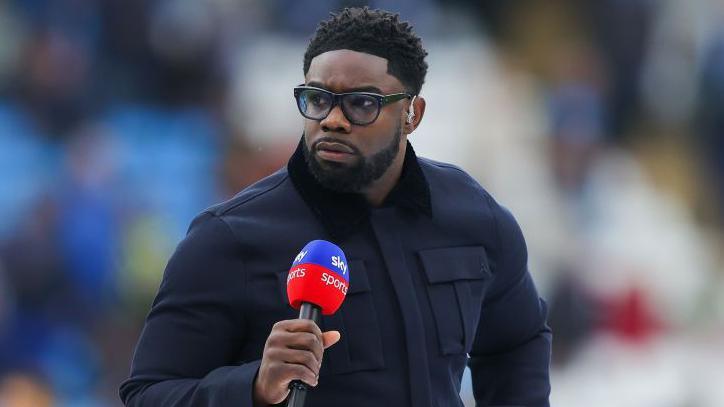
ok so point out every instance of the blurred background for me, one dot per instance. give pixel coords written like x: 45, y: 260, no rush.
x: 599, y: 123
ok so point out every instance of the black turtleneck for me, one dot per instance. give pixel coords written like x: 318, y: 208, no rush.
x: 342, y: 213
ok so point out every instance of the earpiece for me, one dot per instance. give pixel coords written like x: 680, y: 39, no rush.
x: 411, y: 113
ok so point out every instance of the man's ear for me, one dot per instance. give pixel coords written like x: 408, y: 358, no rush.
x: 414, y: 115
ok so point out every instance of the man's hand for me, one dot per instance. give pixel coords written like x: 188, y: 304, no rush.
x: 293, y: 351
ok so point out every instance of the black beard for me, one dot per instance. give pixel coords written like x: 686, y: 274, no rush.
x: 342, y: 178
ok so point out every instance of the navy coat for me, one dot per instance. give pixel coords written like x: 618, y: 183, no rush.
x: 438, y: 281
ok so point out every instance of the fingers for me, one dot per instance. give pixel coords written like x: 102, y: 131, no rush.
x: 299, y: 372
x: 300, y: 325
x: 293, y: 351
x: 303, y: 341
x: 329, y: 338
x: 283, y: 373
x: 296, y: 357
x: 272, y: 382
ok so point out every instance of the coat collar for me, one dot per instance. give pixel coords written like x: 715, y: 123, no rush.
x: 342, y: 214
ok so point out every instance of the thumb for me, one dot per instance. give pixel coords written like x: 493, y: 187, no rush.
x: 330, y: 338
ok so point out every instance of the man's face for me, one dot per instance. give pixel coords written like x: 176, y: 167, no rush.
x: 343, y: 156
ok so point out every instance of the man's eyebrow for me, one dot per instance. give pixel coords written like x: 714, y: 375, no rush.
x: 372, y: 89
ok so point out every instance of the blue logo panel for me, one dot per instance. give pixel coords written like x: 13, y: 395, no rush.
x: 325, y: 254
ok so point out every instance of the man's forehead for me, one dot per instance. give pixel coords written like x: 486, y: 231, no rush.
x: 343, y: 70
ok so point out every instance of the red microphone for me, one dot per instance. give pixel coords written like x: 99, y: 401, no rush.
x: 317, y: 282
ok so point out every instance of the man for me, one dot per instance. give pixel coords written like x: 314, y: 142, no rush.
x: 438, y: 275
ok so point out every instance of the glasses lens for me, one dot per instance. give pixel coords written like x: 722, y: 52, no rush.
x: 314, y: 104
x: 360, y: 108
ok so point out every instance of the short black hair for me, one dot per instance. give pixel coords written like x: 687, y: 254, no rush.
x: 375, y: 32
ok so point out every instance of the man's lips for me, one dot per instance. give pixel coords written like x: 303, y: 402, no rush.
x: 331, y: 151
x: 334, y: 147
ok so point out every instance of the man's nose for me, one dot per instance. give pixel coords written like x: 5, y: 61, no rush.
x: 336, y: 122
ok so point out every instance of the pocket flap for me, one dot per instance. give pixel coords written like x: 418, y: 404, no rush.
x: 454, y: 263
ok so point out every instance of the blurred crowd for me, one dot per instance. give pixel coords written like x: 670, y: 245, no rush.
x: 599, y: 123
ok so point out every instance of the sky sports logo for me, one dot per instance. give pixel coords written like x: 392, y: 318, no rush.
x: 326, y: 278
x: 329, y: 279
x: 340, y: 264
x: 320, y: 276
x: 300, y: 256
x: 337, y: 262
x: 295, y: 273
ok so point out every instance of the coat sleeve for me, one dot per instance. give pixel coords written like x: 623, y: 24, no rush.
x: 510, y: 357
x: 187, y: 349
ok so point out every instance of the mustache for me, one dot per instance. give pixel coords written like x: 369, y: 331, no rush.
x: 328, y: 139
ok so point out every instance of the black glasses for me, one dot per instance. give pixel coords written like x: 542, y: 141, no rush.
x: 360, y: 108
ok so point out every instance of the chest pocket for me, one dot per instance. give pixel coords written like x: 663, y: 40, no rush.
x: 360, y: 347
x: 457, y: 278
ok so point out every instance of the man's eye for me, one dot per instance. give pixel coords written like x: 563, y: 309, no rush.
x: 317, y: 100
x: 362, y: 102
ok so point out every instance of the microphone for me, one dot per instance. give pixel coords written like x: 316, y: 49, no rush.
x: 317, y: 282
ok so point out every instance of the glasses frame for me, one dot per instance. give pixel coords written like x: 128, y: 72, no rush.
x: 382, y: 100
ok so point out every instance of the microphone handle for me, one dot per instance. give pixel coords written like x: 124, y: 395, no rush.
x: 310, y: 311
x: 299, y: 389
